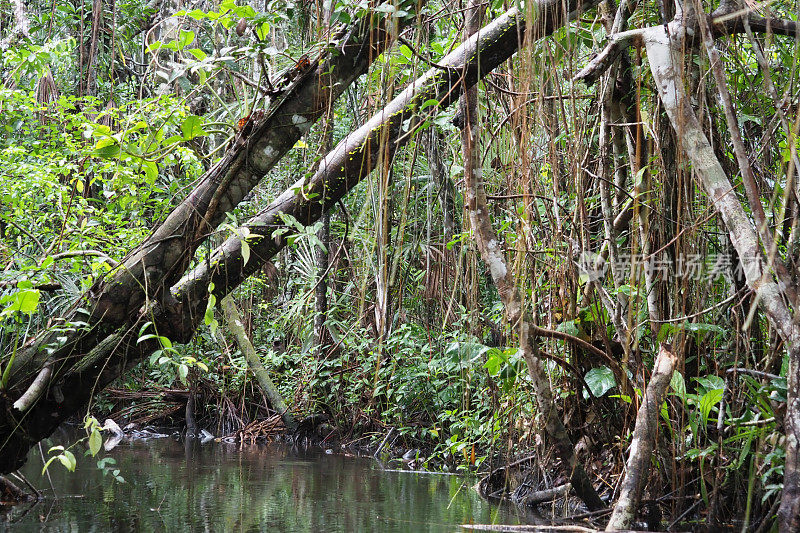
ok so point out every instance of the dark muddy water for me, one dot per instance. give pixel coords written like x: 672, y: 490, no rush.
x: 175, y: 486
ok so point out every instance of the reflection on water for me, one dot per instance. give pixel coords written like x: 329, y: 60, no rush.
x: 175, y: 486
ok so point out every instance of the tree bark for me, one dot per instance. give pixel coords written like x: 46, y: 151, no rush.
x: 665, y: 55
x: 643, y: 442
x: 234, y: 321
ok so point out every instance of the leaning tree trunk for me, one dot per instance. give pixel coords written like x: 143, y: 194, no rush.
x: 643, y: 442
x: 665, y: 53
x: 89, y: 349
x: 234, y: 321
x: 94, y: 355
x: 491, y: 249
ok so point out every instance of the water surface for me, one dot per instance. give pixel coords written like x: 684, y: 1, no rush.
x: 177, y: 486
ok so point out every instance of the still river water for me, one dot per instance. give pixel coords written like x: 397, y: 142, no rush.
x: 175, y: 486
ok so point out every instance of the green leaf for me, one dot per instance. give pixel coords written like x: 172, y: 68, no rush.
x: 95, y: 441
x: 494, y: 362
x: 465, y: 352
x: 183, y: 371
x: 44, y: 468
x: 146, y: 337
x: 678, y: 384
x: 197, y: 14
x: 623, y: 397
x: 25, y: 301
x: 711, y: 382
x: 68, y: 460
x: 192, y: 127
x: 185, y: 38
x: 155, y: 46
x: 600, y: 381
x: 197, y: 53
x: 150, y: 170
x: 570, y: 328
x: 171, y: 140
x: 245, y: 252
x: 107, y: 148
x: 263, y: 31
x: 708, y: 401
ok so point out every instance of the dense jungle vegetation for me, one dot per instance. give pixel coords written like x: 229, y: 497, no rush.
x: 572, y: 239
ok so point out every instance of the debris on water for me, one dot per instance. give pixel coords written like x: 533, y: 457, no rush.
x: 205, y: 436
x: 116, y: 434
x: 410, y: 455
x: 113, y: 427
x: 146, y: 434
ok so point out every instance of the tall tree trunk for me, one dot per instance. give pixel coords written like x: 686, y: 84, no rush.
x: 490, y: 246
x: 665, y: 55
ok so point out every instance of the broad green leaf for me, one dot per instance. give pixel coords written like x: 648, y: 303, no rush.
x: 600, y: 381
x: 107, y: 148
x: 570, y: 328
x: 25, y: 301
x: 95, y: 442
x: 711, y: 382
x: 68, y: 460
x: 263, y: 31
x: 150, y: 170
x: 183, y: 371
x: 185, y: 38
x: 678, y: 385
x: 197, y: 53
x: 708, y: 401
x: 245, y: 252
x: 197, y: 14
x: 494, y: 361
x: 465, y: 352
x: 192, y: 127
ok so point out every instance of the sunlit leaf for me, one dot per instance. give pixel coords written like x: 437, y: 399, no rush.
x: 192, y: 127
